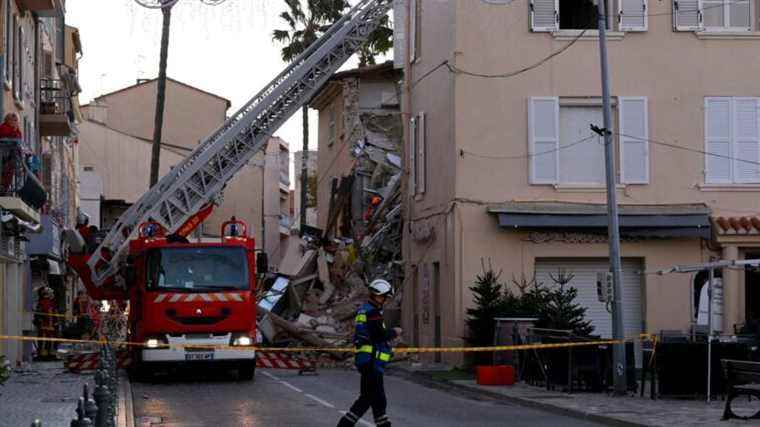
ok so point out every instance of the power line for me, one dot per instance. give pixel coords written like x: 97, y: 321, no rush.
x: 456, y: 70
x: 689, y: 149
x: 462, y: 152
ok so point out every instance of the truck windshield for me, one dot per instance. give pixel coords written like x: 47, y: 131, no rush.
x: 198, y: 269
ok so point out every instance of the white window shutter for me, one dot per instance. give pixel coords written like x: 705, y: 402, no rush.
x: 421, y: 154
x: 718, y: 140
x: 745, y: 137
x: 543, y: 139
x: 634, y: 144
x: 413, y: 156
x: 412, y: 29
x: 399, y: 33
x: 544, y: 15
x: 632, y: 15
x: 687, y: 15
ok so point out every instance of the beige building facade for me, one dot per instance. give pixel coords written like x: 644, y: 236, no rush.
x: 119, y: 152
x: 40, y: 56
x: 502, y: 164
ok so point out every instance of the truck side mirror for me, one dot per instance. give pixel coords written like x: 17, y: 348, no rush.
x: 262, y: 263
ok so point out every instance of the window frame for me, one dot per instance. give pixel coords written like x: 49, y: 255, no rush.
x: 732, y: 179
x: 569, y: 102
x: 727, y: 17
x: 9, y: 43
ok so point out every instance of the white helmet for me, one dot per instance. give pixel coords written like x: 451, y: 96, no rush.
x: 381, y: 287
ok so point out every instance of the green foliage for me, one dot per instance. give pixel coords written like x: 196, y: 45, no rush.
x: 306, y: 25
x: 560, y: 311
x: 554, y: 306
x: 5, y: 370
x: 487, y: 295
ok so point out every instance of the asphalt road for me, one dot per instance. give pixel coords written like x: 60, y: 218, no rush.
x: 283, y: 398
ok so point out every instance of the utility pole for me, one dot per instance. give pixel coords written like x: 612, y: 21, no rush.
x: 618, y: 333
x: 158, y: 123
x: 304, y: 161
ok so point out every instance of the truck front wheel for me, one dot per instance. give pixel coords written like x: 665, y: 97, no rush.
x: 247, y: 370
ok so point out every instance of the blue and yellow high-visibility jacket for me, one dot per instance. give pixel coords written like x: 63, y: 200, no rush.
x: 372, y: 338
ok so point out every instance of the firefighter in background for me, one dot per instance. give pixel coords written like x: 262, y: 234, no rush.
x: 373, y: 351
x: 82, y: 311
x: 46, y: 321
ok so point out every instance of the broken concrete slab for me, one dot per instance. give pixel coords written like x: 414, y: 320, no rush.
x: 293, y: 256
x: 324, y: 277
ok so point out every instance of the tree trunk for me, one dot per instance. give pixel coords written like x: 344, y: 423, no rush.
x: 304, y: 162
x: 158, y: 123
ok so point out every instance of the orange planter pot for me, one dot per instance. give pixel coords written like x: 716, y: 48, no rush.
x: 495, y: 375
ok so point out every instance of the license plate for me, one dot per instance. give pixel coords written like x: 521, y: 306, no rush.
x: 199, y: 356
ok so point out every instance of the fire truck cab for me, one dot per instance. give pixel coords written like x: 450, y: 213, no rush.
x: 189, y: 302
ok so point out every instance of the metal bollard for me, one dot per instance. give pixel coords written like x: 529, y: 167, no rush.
x: 90, y: 408
x: 81, y: 420
x: 101, y: 399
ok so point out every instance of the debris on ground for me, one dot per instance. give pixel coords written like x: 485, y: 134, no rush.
x: 322, y: 279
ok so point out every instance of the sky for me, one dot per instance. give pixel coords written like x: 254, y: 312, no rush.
x: 225, y: 49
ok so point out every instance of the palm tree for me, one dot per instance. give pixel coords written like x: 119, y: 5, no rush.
x: 158, y: 122
x: 305, y: 26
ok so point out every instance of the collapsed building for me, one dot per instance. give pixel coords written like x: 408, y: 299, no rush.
x: 322, y: 277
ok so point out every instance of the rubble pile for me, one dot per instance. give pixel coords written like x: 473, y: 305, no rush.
x: 323, y: 276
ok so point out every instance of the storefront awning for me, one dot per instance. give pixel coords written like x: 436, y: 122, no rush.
x: 661, y: 221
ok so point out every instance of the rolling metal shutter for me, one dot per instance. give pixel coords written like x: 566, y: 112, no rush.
x: 585, y: 273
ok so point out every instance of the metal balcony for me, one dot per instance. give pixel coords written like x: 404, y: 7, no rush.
x: 20, y: 191
x: 56, y: 115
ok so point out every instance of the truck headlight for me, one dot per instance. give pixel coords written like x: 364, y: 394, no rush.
x: 242, y: 341
x: 156, y: 342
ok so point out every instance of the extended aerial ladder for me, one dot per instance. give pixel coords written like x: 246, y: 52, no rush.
x: 196, y: 181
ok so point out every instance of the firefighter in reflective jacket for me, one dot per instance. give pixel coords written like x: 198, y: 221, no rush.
x: 373, y: 352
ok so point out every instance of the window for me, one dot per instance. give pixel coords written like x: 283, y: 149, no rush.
x: 713, y: 15
x: 562, y: 154
x: 732, y: 134
x: 418, y: 151
x: 414, y: 24
x: 578, y: 14
x: 198, y: 269
x: 18, y: 66
x: 553, y: 15
x: 331, y: 129
x: 8, y: 42
x: 726, y: 14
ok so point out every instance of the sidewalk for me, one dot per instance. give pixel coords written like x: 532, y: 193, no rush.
x: 44, y: 391
x: 620, y: 411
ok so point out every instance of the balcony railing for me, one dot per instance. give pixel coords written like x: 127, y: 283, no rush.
x: 17, y: 179
x: 56, y: 115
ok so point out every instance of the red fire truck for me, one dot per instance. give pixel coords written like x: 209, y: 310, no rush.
x: 188, y: 302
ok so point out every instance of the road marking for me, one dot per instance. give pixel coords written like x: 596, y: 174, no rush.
x: 270, y: 376
x: 316, y: 399
x: 361, y: 420
x: 291, y: 386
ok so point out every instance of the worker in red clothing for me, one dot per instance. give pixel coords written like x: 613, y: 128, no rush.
x: 374, y: 203
x: 10, y: 127
x: 46, y: 322
x: 10, y: 135
x: 82, y: 313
